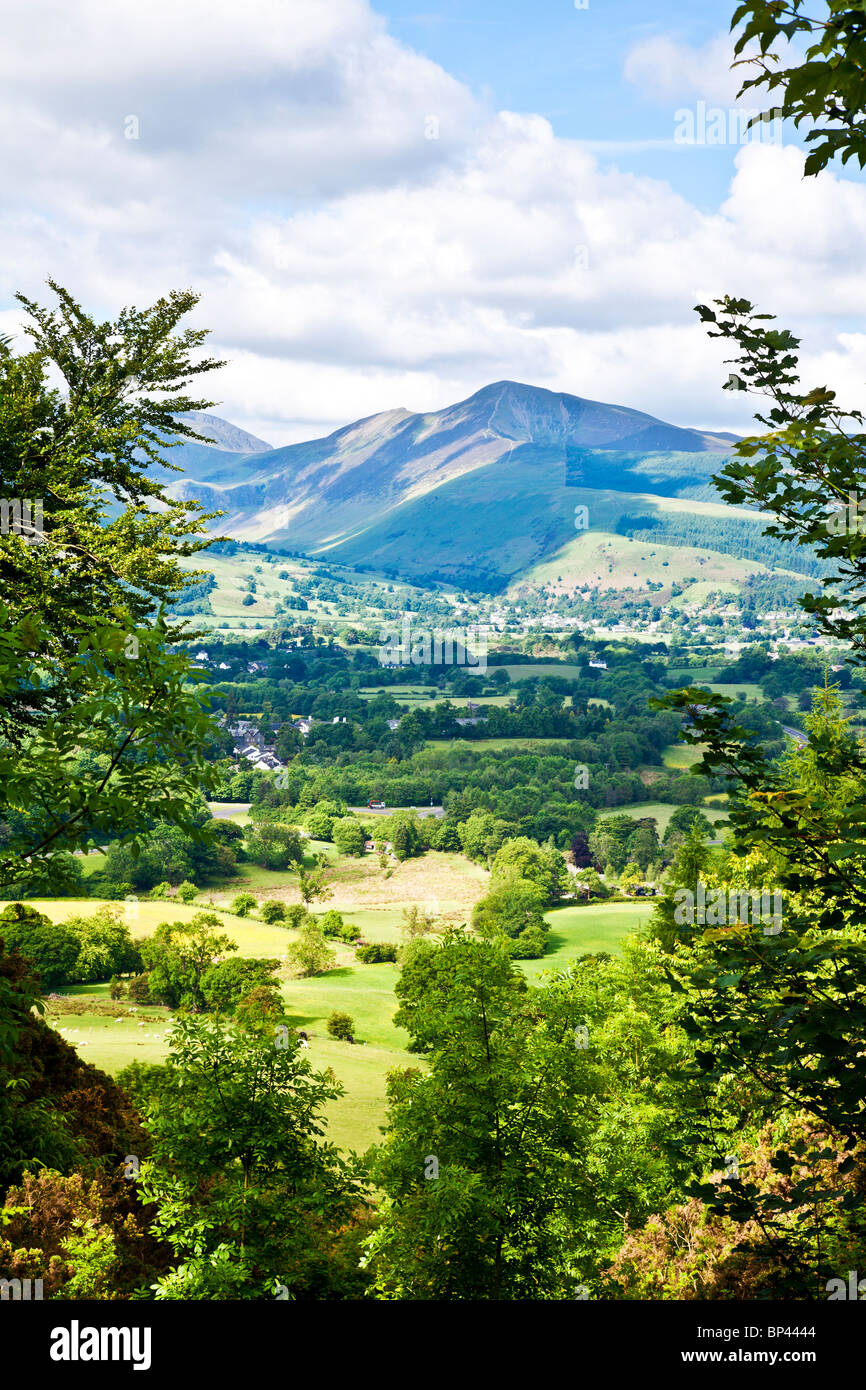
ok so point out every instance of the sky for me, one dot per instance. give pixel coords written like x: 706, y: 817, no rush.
x: 395, y: 205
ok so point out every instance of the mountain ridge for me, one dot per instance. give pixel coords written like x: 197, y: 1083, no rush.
x: 391, y: 489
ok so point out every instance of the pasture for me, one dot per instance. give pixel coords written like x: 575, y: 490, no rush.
x: 365, y: 992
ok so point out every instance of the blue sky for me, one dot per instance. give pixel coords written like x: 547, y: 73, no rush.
x: 396, y: 203
x: 567, y: 64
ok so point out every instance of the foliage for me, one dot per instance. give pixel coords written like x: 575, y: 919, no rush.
x: 341, y: 1026
x: 90, y: 688
x: 247, y: 1193
x: 310, y: 953
x: 225, y: 983
x: 376, y: 953
x: 178, y: 958
x: 349, y: 836
x: 482, y: 1152
x: 274, y: 846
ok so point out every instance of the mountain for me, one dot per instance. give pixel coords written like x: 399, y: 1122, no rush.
x: 479, y: 492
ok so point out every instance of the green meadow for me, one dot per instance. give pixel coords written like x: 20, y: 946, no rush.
x: 365, y: 992
x: 661, y: 812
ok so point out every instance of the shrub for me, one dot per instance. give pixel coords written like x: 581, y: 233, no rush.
x: 341, y: 1026
x: 273, y: 912
x: 332, y: 924
x: 274, y: 846
x: 531, y: 944
x: 242, y: 904
x: 311, y: 954
x: 376, y: 952
x: 187, y: 891
x: 138, y: 989
x: 349, y: 836
x: 228, y: 981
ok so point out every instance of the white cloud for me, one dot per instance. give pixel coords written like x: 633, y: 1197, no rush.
x: 669, y: 71
x: 350, y: 264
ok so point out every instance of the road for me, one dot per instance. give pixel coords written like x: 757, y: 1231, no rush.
x: 797, y: 735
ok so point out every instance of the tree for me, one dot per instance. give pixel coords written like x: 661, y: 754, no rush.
x: 542, y: 865
x: 105, y: 947
x: 225, y: 983
x: 443, y: 836
x: 404, y: 831
x: 416, y: 921
x: 311, y: 883
x: 247, y: 1194
x: 178, y: 957
x: 310, y: 952
x: 607, y: 848
x: 274, y: 846
x: 590, y: 885
x: 643, y: 846
x: 780, y: 1008
x: 482, y: 1149
x: 166, y: 855
x: 481, y: 835
x: 681, y: 822
x: 50, y: 947
x: 341, y: 1026
x: 349, y: 836
x: 331, y: 923
x: 581, y: 854
x: 630, y: 877
x: 109, y: 715
x: 511, y: 905
x: 320, y: 820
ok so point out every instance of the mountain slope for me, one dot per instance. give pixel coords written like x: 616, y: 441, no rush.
x: 481, y: 489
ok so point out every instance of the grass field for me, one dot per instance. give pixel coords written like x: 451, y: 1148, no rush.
x: 526, y: 671
x: 366, y: 993
x: 601, y: 558
x: 682, y: 755
x: 733, y: 689
x: 661, y: 811
x: 689, y: 675
x: 578, y: 931
x: 252, y: 938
